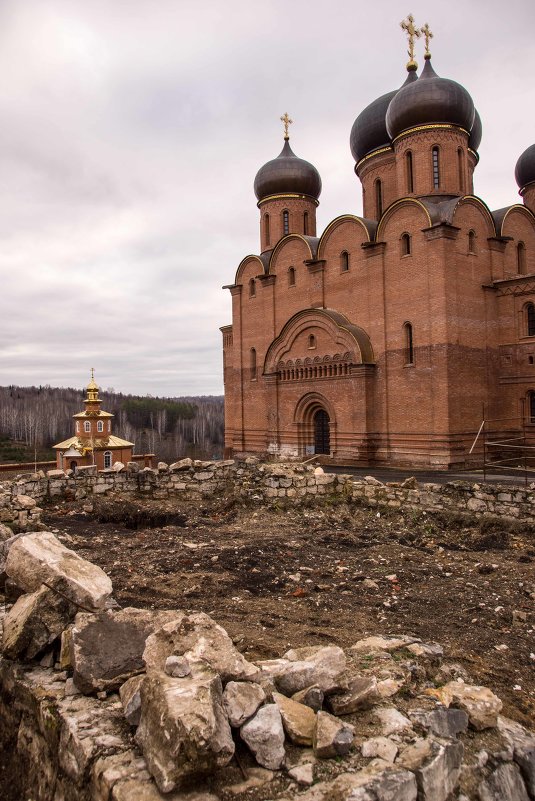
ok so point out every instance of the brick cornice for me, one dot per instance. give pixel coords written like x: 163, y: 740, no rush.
x: 371, y: 249
x: 441, y: 230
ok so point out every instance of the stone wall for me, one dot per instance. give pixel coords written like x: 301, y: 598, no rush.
x: 266, y: 482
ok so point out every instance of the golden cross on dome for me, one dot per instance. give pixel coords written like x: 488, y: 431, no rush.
x: 412, y: 33
x: 426, y: 30
x: 92, y: 374
x: 287, y: 121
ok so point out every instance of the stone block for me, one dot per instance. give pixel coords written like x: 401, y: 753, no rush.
x: 40, y: 558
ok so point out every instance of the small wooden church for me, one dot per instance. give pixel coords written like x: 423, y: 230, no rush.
x: 93, y: 441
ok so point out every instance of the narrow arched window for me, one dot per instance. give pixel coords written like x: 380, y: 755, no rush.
x: 107, y: 459
x: 266, y: 228
x: 285, y: 222
x: 253, y: 364
x: 471, y: 241
x: 531, y: 407
x: 305, y: 223
x: 530, y: 319
x: 77, y: 427
x: 344, y: 261
x: 100, y: 426
x: 521, y: 258
x: 252, y: 288
x: 311, y: 342
x: 410, y: 179
x: 436, y: 168
x: 406, y: 246
x: 87, y: 426
x: 409, y: 345
x: 460, y: 167
x: 291, y: 276
x: 378, y: 199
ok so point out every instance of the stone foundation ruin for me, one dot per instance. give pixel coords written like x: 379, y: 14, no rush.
x: 107, y: 704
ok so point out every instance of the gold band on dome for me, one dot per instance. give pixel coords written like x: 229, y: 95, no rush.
x: 372, y: 154
x: 281, y: 196
x: 439, y: 125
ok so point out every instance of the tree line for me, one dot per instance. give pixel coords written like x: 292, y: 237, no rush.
x: 39, y: 417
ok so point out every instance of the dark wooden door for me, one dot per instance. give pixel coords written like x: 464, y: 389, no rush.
x: 322, y: 442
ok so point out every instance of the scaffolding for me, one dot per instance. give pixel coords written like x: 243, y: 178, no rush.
x: 508, y: 445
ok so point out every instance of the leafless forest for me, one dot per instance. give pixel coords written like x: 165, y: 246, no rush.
x: 38, y: 417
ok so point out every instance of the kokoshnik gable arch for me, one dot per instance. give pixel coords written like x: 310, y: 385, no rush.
x: 381, y: 340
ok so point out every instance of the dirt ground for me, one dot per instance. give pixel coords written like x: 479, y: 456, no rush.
x: 280, y: 576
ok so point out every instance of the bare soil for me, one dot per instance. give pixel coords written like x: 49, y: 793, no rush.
x: 283, y: 576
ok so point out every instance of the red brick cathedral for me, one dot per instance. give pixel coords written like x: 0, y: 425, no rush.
x: 386, y: 338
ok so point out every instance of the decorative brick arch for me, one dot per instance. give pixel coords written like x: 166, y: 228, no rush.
x: 305, y: 414
x: 344, y: 335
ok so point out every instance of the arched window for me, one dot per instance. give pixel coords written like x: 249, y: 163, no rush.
x: 531, y: 407
x: 253, y: 364
x: 87, y: 426
x: 471, y: 241
x: 77, y: 426
x: 410, y: 179
x: 344, y: 261
x: 305, y: 223
x: 252, y: 288
x: 521, y: 258
x: 109, y: 426
x: 291, y: 276
x: 530, y: 319
x: 107, y: 459
x: 266, y: 228
x: 100, y: 426
x: 460, y: 167
x: 409, y: 347
x: 378, y: 199
x: 286, y: 222
x: 406, y: 245
x: 436, y: 168
x: 311, y: 342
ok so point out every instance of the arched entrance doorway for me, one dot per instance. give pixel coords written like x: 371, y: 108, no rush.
x: 316, y: 425
x: 322, y: 437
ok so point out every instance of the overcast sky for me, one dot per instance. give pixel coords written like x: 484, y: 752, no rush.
x: 130, y: 135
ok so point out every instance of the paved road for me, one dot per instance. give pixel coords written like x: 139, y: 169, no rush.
x: 432, y: 476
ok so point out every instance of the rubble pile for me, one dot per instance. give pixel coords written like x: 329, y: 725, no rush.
x: 111, y: 704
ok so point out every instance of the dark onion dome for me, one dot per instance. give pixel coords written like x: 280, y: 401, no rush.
x: 476, y: 133
x: 525, y: 168
x: 428, y: 100
x: 287, y: 174
x: 369, y: 129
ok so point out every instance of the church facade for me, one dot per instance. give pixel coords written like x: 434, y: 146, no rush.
x: 387, y: 338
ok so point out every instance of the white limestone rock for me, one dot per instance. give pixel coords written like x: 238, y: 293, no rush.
x: 380, y: 747
x: 107, y: 647
x: 39, y: 558
x: 505, y: 784
x: 332, y: 737
x: 362, y: 693
x: 299, y: 721
x: 392, y: 721
x: 479, y: 703
x: 378, y: 782
x: 34, y: 622
x: 437, y: 767
x: 198, y: 638
x: 130, y: 694
x: 183, y: 731
x: 241, y: 699
x: 299, y: 668
x: 264, y: 735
